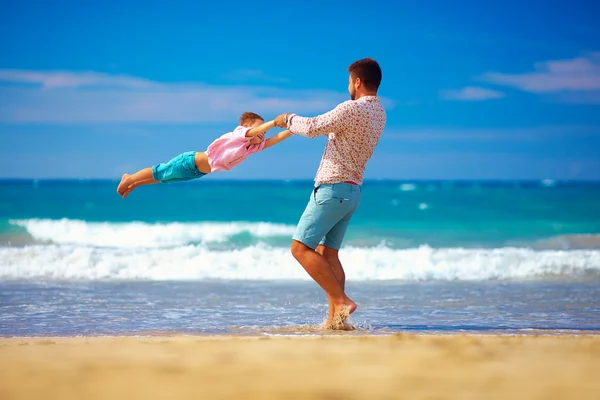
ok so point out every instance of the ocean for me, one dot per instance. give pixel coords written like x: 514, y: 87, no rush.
x: 212, y: 257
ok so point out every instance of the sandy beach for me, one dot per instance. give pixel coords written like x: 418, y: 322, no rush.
x: 403, y: 366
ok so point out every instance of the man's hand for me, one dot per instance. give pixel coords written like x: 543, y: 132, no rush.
x: 279, y: 121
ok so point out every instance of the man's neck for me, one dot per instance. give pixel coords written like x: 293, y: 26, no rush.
x: 359, y: 95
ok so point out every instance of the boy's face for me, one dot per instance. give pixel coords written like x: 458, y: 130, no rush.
x: 258, y: 138
x: 257, y: 122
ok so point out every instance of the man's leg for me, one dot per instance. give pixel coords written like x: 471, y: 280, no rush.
x: 331, y: 255
x: 321, y: 271
x: 329, y: 248
x: 327, y: 207
x: 332, y: 242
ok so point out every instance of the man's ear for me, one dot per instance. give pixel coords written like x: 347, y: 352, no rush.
x: 357, y: 82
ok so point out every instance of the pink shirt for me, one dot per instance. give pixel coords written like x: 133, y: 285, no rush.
x: 231, y: 149
x: 354, y: 128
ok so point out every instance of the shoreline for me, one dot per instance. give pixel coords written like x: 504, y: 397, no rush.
x: 405, y: 365
x: 342, y: 334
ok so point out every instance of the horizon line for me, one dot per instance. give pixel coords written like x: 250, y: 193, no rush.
x: 403, y: 180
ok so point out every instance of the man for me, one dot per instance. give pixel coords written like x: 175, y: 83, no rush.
x: 353, y: 129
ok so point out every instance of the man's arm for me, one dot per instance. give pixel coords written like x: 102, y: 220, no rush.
x: 280, y: 137
x: 321, y: 125
x: 261, y: 128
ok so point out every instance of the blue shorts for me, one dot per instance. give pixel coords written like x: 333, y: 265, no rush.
x: 328, y: 214
x: 179, y: 169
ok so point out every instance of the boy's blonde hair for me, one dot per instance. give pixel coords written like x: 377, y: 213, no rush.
x: 249, y: 118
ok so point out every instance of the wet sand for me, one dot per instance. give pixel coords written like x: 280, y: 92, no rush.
x: 402, y: 366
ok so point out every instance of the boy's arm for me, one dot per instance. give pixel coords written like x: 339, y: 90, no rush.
x: 261, y: 128
x: 280, y: 137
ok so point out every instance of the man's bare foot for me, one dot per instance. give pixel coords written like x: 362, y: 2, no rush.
x: 123, y: 185
x: 341, y: 312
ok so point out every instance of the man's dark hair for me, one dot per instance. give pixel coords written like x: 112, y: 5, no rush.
x: 368, y: 71
x: 250, y: 117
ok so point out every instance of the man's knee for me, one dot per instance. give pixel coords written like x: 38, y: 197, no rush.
x: 298, y: 249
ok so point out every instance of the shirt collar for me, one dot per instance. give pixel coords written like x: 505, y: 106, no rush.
x: 370, y: 98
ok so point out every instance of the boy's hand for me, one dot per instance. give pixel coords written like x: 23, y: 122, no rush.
x: 279, y: 121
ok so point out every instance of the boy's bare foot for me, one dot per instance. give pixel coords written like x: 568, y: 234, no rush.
x: 128, y: 190
x: 123, y: 184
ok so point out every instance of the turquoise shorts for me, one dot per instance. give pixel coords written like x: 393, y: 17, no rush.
x: 179, y: 169
x: 328, y: 214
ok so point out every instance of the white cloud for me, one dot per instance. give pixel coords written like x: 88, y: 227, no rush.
x: 580, y: 74
x: 65, y: 79
x: 91, y: 97
x: 471, y: 93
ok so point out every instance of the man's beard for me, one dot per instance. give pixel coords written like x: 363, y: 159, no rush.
x: 353, y: 95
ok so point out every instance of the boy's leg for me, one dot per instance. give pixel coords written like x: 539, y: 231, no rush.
x: 130, y: 182
x: 137, y: 184
x: 178, y: 169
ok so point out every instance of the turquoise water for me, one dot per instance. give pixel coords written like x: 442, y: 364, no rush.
x: 213, y: 256
x: 403, y: 214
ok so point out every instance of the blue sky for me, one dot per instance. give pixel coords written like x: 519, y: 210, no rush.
x: 473, y: 90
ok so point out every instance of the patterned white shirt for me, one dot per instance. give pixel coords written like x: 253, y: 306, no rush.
x: 354, y: 128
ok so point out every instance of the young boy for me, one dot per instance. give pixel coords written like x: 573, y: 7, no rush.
x: 223, y: 154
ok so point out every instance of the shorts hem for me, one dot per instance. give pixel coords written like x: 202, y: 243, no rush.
x: 305, y: 242
x: 331, y: 246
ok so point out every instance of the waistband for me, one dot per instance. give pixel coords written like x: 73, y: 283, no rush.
x: 352, y: 183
